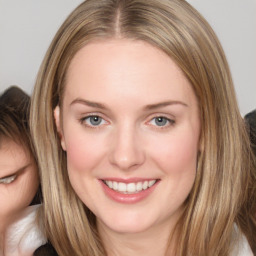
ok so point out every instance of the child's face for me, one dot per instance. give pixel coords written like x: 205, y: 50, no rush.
x: 18, y: 180
x: 130, y: 127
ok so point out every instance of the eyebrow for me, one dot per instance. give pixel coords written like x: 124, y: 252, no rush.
x: 147, y: 107
x: 164, y: 104
x: 88, y: 103
x: 16, y: 172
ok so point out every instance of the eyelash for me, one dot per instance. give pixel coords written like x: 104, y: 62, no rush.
x: 8, y: 180
x: 170, y: 122
x: 84, y: 119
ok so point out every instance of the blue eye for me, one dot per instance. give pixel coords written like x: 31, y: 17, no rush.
x: 161, y: 121
x: 93, y: 120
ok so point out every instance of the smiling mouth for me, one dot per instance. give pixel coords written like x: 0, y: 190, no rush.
x: 129, y: 188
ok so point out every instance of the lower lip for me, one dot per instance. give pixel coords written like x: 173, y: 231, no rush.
x: 127, y: 198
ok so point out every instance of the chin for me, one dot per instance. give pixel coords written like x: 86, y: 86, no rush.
x: 128, y: 225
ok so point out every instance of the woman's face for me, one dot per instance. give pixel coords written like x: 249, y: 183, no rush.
x: 18, y: 180
x: 130, y: 126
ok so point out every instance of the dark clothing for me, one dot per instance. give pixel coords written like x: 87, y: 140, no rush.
x: 250, y: 119
x: 45, y: 250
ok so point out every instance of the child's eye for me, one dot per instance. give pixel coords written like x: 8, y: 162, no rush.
x: 93, y: 121
x: 161, y: 121
x: 8, y: 180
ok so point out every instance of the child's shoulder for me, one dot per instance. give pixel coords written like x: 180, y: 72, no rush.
x: 45, y: 250
x: 25, y: 236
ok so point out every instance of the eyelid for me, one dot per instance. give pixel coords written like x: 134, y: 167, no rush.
x: 8, y: 180
x: 167, y: 117
x: 86, y: 116
x: 12, y: 177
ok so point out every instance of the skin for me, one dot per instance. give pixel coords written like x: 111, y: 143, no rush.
x: 19, y: 172
x: 131, y: 79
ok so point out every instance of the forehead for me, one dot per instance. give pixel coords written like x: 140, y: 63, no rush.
x: 12, y: 156
x: 119, y: 53
x: 125, y: 65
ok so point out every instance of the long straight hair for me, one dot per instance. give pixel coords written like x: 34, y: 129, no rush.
x: 224, y: 177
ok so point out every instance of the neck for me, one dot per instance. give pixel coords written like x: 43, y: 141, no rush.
x: 150, y: 242
x: 2, y: 232
x: 4, y: 223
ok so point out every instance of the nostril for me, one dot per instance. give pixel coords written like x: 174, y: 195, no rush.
x: 127, y: 160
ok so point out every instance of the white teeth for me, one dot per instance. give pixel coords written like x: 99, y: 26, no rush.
x: 115, y: 185
x: 129, y: 188
x: 145, y: 185
x: 151, y: 183
x: 139, y: 186
x: 109, y: 183
x: 121, y: 187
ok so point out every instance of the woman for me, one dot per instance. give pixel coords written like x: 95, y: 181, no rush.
x: 19, y: 183
x: 139, y: 139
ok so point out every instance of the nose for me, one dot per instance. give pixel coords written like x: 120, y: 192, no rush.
x: 126, y: 150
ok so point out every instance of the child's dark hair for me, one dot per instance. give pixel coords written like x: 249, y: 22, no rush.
x: 14, y: 114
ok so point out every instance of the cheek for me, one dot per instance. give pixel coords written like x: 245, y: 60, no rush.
x: 84, y: 151
x: 84, y: 154
x: 18, y: 195
x: 30, y: 185
x: 176, y: 154
x: 80, y: 156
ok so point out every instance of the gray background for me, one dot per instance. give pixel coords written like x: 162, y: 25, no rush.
x: 28, y: 26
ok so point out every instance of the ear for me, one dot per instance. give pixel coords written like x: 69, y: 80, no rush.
x: 56, y: 113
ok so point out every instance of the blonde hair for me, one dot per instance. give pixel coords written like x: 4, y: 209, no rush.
x: 224, y: 180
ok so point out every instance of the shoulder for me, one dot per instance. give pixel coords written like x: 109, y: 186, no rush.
x: 25, y: 236
x: 250, y: 119
x: 45, y: 250
x: 241, y: 245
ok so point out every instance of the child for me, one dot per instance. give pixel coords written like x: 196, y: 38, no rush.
x: 19, y: 181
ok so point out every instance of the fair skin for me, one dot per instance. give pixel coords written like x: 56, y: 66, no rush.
x: 130, y: 126
x: 18, y: 182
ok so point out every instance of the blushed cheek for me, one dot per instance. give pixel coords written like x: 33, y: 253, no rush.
x: 178, y: 156
x: 82, y: 160
x: 82, y: 156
